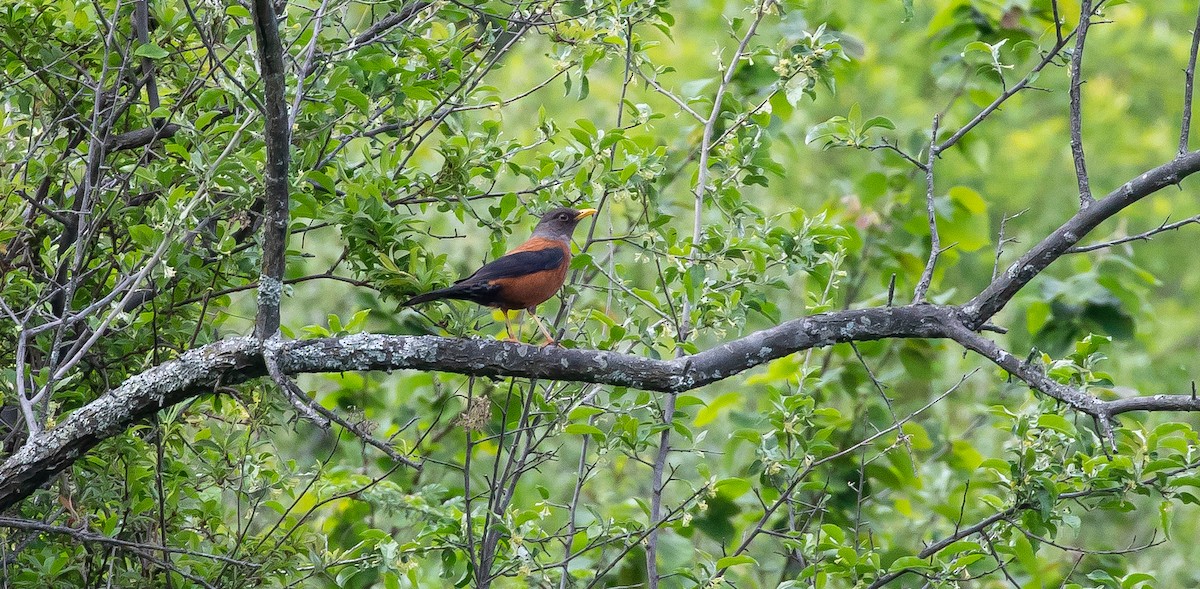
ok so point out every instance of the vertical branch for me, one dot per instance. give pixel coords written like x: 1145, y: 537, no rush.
x: 32, y: 424
x: 1002, y: 241
x: 278, y: 139
x: 935, y: 242
x: 141, y: 23
x: 1085, y: 21
x: 1188, y: 80
x: 581, y: 475
x: 308, y: 66
x: 469, y: 521
x: 657, y: 484
x: 1057, y: 21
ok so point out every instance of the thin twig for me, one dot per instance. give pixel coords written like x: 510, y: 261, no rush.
x: 307, y: 68
x: 319, y: 414
x: 292, y: 391
x: 671, y: 95
x: 935, y: 242
x: 1001, y: 241
x: 83, y: 535
x: 1057, y: 21
x: 1145, y: 235
x: 1154, y: 541
x: 887, y: 401
x: 892, y: 147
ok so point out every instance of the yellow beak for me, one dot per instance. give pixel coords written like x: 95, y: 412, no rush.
x: 585, y: 213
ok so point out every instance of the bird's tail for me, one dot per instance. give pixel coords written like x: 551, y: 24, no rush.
x: 442, y: 293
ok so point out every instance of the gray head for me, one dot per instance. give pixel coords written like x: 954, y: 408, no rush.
x: 560, y: 223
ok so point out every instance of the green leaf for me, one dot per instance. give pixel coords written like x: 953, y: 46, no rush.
x: 880, y: 122
x: 909, y: 562
x: 733, y: 487
x: 715, y: 408
x: 237, y: 11
x: 1057, y: 423
x: 151, y: 51
x: 583, y: 429
x: 833, y: 128
x: 584, y: 412
x: 1023, y: 550
x: 353, y: 96
x: 729, y: 561
x: 1134, y: 579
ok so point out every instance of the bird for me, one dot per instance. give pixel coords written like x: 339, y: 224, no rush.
x: 525, y: 277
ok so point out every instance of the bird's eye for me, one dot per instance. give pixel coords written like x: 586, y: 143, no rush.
x: 563, y: 216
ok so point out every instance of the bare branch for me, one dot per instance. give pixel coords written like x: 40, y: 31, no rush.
x: 1001, y: 241
x: 1145, y: 235
x: 1188, y: 81
x: 140, y: 549
x: 233, y: 361
x: 1081, y: 175
x: 893, y: 147
x: 935, y: 242
x: 307, y: 68
x: 389, y: 22
x: 141, y: 137
x: 671, y: 95
x: 141, y: 23
x: 1133, y: 546
x: 1058, y: 23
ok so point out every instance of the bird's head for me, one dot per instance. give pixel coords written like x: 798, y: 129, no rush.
x: 560, y: 223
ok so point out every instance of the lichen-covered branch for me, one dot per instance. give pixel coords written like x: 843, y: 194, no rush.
x: 234, y: 361
x: 275, y: 185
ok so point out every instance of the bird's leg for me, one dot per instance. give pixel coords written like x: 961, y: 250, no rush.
x: 549, y: 338
x: 508, y: 327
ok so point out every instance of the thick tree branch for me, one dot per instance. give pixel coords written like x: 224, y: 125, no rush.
x: 141, y: 23
x: 278, y: 139
x: 234, y: 361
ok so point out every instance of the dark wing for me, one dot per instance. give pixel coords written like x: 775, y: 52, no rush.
x: 518, y: 264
